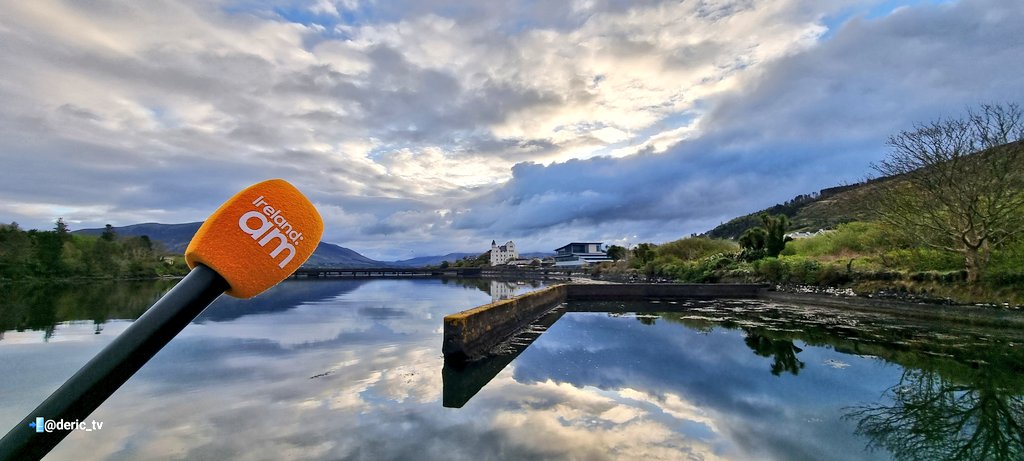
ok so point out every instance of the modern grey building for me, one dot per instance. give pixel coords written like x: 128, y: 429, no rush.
x: 578, y: 254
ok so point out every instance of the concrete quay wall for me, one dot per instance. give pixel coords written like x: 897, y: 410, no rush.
x: 642, y: 291
x: 473, y: 333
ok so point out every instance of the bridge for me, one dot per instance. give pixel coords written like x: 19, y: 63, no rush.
x: 499, y: 272
x: 333, y: 272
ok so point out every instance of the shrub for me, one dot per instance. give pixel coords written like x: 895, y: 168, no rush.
x: 750, y: 255
x: 923, y: 259
x: 854, y: 237
x: 1006, y: 267
x: 880, y: 275
x: 704, y: 270
x: 803, y: 271
x: 772, y: 269
x: 694, y: 248
x: 832, y: 275
x: 938, y: 276
x: 1005, y: 279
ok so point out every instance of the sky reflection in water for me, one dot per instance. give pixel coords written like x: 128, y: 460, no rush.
x: 352, y: 370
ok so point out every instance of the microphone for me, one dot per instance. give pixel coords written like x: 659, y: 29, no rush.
x: 252, y: 242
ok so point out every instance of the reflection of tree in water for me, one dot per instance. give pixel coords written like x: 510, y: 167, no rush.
x: 783, y: 351
x: 41, y: 306
x: 647, y: 319
x: 934, y: 419
x: 481, y: 284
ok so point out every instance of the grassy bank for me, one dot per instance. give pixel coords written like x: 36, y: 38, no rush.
x: 863, y: 257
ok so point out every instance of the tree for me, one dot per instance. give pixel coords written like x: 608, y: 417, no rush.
x: 957, y: 184
x: 753, y: 239
x: 927, y: 417
x: 644, y: 253
x: 15, y: 251
x: 616, y: 252
x: 108, y: 233
x: 752, y: 242
x: 63, y: 232
x: 775, y: 233
x: 782, y: 351
x: 769, y: 239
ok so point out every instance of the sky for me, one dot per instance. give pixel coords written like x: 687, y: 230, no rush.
x: 423, y: 127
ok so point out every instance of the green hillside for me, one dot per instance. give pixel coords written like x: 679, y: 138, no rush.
x: 824, y: 209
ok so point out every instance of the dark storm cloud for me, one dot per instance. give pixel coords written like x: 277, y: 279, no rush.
x: 643, y: 187
x: 811, y: 120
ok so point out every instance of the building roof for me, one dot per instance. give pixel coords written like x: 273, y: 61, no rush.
x: 579, y: 243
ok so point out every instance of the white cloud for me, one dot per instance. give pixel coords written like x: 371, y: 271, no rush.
x: 123, y: 113
x: 324, y: 7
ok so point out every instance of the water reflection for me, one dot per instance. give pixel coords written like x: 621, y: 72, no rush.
x: 958, y: 395
x: 781, y: 351
x: 462, y: 379
x: 499, y: 289
x: 349, y: 369
x: 931, y: 417
x: 280, y: 380
x: 42, y: 306
x: 48, y: 306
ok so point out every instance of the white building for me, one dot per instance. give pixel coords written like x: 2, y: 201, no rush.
x: 501, y: 290
x: 803, y: 235
x: 504, y: 253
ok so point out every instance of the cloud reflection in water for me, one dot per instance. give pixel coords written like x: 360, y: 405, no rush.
x: 346, y: 370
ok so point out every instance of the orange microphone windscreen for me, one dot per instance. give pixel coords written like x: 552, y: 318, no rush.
x: 258, y: 237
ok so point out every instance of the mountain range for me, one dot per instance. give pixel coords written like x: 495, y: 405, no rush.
x: 175, y: 238
x: 822, y: 210
x: 433, y: 260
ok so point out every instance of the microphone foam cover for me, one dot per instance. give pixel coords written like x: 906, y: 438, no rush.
x: 258, y: 237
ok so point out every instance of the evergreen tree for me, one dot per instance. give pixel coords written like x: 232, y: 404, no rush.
x: 62, y: 229
x: 108, y: 233
x: 753, y: 239
x: 775, y: 233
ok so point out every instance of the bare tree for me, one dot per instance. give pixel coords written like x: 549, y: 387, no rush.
x: 927, y: 417
x: 958, y: 184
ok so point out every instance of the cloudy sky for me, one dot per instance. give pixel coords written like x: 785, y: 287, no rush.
x: 422, y: 127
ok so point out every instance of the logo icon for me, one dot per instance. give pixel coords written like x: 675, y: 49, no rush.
x: 273, y: 225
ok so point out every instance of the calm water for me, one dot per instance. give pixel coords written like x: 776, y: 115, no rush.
x: 352, y: 369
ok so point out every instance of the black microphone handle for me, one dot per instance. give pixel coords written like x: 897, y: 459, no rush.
x: 115, y: 364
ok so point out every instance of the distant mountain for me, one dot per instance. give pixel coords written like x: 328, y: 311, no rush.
x: 452, y: 257
x: 175, y: 238
x: 331, y: 255
x: 432, y: 260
